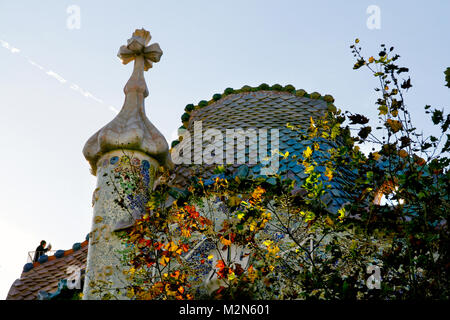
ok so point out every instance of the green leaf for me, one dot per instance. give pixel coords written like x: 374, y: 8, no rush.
x: 335, y: 131
x: 383, y: 110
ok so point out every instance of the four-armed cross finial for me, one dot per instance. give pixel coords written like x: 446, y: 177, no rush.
x: 137, y: 46
x: 131, y: 129
x: 143, y: 56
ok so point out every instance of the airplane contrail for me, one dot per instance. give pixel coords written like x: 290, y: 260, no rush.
x: 56, y: 76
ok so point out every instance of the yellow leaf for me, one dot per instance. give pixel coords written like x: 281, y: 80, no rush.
x: 307, y: 153
x: 383, y: 110
x: 309, y: 169
x: 267, y: 243
x: 316, y: 146
x: 371, y: 59
x: 130, y: 293
x: 341, y: 213
x: 173, y: 246
x: 151, y: 205
x: 164, y: 260
x: 309, y: 216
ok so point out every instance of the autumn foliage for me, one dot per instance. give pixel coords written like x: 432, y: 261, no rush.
x: 247, y: 237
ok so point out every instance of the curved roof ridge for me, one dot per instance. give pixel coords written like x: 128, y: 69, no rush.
x: 185, y: 118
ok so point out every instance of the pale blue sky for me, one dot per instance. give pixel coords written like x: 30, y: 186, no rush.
x: 46, y: 187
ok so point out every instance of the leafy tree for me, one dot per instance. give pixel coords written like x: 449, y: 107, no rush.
x: 238, y: 236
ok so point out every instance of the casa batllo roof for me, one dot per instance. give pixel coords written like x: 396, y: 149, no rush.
x: 261, y: 107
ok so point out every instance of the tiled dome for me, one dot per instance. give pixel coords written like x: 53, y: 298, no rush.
x: 263, y: 109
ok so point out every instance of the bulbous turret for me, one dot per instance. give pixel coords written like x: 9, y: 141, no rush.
x: 131, y: 129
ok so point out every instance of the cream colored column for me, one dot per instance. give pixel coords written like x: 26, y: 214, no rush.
x: 127, y: 150
x: 118, y: 172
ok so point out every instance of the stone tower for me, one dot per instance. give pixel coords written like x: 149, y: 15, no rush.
x: 128, y: 145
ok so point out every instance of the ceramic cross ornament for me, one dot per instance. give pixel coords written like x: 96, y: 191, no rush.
x: 137, y: 46
x: 131, y: 129
x: 143, y: 56
x: 125, y: 155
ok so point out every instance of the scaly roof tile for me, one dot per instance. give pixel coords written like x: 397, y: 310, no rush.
x: 45, y: 276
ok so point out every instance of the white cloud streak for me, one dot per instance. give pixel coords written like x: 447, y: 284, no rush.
x: 6, y: 45
x: 85, y: 93
x: 35, y: 64
x: 58, y: 77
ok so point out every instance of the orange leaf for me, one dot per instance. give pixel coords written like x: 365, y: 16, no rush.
x: 225, y: 242
x: 403, y: 153
x: 220, y: 264
x: 394, y: 125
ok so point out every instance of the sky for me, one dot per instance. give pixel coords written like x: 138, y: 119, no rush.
x: 61, y: 81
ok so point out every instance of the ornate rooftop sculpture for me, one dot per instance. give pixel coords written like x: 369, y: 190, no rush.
x: 131, y: 129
